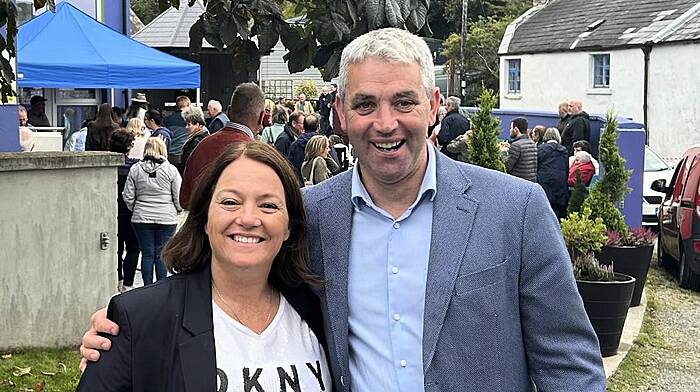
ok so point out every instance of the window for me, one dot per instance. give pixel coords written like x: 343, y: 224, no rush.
x: 601, y: 71
x: 25, y: 11
x: 514, y: 76
x: 274, y: 89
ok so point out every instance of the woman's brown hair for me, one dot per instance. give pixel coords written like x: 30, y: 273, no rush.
x: 189, y: 248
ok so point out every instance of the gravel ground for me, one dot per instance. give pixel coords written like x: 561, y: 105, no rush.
x: 667, y: 356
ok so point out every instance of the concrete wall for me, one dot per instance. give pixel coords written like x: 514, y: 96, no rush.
x: 674, y: 98
x: 549, y: 78
x: 53, y: 274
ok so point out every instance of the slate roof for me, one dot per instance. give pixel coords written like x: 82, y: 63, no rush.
x: 171, y: 29
x: 565, y: 25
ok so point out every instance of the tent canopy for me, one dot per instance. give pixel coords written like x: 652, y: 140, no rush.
x: 69, y: 49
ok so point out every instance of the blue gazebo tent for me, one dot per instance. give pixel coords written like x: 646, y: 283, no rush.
x: 69, y: 49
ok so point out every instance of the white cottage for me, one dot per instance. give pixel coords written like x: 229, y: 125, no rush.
x: 640, y: 57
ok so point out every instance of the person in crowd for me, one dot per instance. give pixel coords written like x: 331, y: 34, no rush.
x: 121, y: 141
x: 521, y: 160
x: 194, y: 122
x: 303, y: 105
x: 267, y: 114
x: 37, y: 112
x: 459, y: 147
x: 239, y: 313
x: 583, y: 145
x: 297, y: 150
x: 453, y: 125
x: 26, y: 139
x: 22, y: 113
x: 318, y: 165
x: 282, y: 101
x: 153, y: 120
x: 324, y: 110
x: 100, y: 130
x: 219, y: 119
x: 141, y: 133
x: 76, y: 140
x: 584, y: 166
x: 294, y: 128
x: 245, y: 111
x: 564, y: 117
x: 442, y: 112
x: 578, y: 128
x: 138, y: 107
x: 537, y: 134
x: 151, y: 194
x: 403, y: 312
x: 553, y: 170
x: 118, y: 116
x: 176, y: 124
x: 279, y: 119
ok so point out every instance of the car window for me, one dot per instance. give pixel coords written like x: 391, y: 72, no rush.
x: 688, y: 193
x: 653, y: 162
x: 677, y: 180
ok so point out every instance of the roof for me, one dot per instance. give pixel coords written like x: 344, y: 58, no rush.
x: 171, y: 29
x: 564, y: 25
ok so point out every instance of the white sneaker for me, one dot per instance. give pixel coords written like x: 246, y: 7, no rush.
x: 120, y: 287
x: 127, y: 288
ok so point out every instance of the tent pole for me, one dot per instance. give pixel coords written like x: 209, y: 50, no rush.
x: 198, y: 98
x: 111, y: 95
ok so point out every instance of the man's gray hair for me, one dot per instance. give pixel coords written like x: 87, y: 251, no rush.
x: 583, y: 156
x: 390, y: 45
x: 21, y: 109
x: 215, y: 104
x: 247, y: 103
x: 452, y: 103
x: 551, y: 134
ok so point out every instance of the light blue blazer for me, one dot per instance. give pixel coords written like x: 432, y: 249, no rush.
x: 502, y: 312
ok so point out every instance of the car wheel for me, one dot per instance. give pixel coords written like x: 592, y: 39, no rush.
x: 662, y: 258
x: 687, y: 279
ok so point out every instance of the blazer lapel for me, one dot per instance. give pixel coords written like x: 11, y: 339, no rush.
x: 453, y: 216
x: 196, y: 342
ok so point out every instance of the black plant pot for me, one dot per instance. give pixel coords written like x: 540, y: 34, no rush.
x: 606, y: 305
x: 629, y: 260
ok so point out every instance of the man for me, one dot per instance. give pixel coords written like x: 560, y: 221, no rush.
x: 22, y: 113
x: 176, y: 124
x: 325, y: 100
x: 296, y: 150
x: 303, y: 106
x: 433, y: 279
x: 218, y: 118
x: 246, y: 112
x: 579, y: 127
x: 37, y: 116
x: 453, y: 125
x: 522, y: 154
x: 153, y: 120
x: 292, y: 130
x: 564, y: 117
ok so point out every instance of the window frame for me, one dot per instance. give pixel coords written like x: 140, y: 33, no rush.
x: 603, y: 68
x: 509, y: 80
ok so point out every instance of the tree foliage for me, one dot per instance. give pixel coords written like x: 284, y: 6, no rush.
x: 483, y: 143
x: 578, y: 195
x: 146, y: 10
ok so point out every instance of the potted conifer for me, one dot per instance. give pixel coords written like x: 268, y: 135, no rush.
x: 483, y: 143
x: 606, y: 294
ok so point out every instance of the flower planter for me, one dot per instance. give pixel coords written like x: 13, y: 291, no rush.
x: 629, y: 260
x: 606, y: 305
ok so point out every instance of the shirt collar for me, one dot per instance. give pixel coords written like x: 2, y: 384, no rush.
x: 360, y: 195
x: 241, y: 127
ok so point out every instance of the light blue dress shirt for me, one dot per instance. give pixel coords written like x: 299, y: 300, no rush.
x: 387, y: 274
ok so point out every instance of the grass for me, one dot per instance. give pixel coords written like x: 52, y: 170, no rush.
x: 640, y: 365
x: 48, y: 370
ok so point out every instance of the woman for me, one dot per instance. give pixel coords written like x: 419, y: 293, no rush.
x: 121, y: 142
x: 317, y: 165
x: 537, y: 134
x: 138, y: 107
x: 154, y: 122
x: 195, y: 124
x: 460, y: 147
x: 239, y: 311
x: 267, y: 113
x: 584, y: 165
x: 152, y: 194
x: 552, y: 170
x: 99, y: 131
x: 138, y: 128
x: 279, y: 119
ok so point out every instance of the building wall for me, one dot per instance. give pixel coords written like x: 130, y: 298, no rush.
x: 550, y: 78
x: 53, y: 274
x: 674, y: 98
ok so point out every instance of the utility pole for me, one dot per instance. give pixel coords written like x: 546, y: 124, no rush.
x: 463, y: 46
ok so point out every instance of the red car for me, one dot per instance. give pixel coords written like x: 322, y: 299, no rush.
x: 679, y: 219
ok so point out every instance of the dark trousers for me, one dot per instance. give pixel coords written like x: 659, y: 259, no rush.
x: 126, y: 241
x: 325, y: 125
x: 152, y: 237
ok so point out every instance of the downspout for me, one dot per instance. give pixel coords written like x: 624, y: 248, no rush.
x: 125, y: 16
x: 647, y: 51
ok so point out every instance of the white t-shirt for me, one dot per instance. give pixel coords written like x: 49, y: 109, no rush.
x: 285, y: 356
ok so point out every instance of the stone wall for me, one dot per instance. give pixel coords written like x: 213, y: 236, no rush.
x: 53, y: 273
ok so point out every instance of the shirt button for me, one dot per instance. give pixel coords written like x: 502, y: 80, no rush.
x: 397, y: 316
x: 394, y: 270
x: 397, y: 225
x: 403, y: 363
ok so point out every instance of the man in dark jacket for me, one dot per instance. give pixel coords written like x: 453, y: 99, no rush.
x: 291, y: 131
x: 579, y: 127
x: 176, y: 124
x: 324, y: 110
x: 219, y: 119
x: 522, y: 154
x: 453, y: 125
x: 564, y: 117
x: 296, y: 150
x: 552, y: 171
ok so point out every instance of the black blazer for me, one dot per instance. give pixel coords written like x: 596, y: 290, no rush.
x: 166, y: 337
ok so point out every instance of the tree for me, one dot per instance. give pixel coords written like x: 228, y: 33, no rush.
x: 578, y: 195
x: 146, y: 10
x: 483, y: 143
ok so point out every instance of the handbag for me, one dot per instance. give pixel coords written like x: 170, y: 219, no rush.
x: 310, y: 181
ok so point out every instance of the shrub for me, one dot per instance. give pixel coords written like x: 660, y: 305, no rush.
x: 308, y: 88
x: 634, y: 237
x: 578, y: 195
x: 583, y: 235
x: 587, y: 268
x: 483, y: 143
